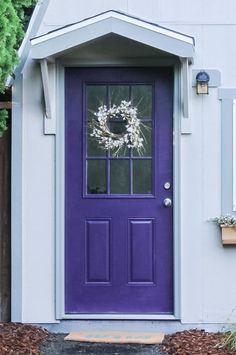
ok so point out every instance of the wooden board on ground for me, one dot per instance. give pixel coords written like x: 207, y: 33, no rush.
x: 116, y: 337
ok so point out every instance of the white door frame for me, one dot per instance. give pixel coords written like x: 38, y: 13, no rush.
x: 60, y: 183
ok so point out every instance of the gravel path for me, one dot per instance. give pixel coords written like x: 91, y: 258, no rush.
x: 57, y: 346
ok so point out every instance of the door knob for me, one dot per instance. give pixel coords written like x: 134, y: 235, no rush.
x: 167, y: 202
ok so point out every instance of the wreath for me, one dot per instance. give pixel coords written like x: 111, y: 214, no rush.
x: 132, y: 137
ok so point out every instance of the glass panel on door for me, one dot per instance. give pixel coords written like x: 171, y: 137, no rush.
x: 122, y: 171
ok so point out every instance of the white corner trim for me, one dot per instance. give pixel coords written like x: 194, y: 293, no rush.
x: 60, y: 194
x: 112, y: 14
x: 234, y: 155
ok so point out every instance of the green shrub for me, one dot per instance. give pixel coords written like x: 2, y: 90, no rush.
x: 12, y: 16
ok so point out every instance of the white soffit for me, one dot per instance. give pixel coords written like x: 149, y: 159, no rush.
x: 68, y: 37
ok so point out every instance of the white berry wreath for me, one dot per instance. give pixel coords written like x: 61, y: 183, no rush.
x: 132, y: 136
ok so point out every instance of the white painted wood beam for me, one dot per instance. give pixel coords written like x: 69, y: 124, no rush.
x: 46, y: 87
x: 48, y: 91
x: 186, y: 86
x: 186, y: 122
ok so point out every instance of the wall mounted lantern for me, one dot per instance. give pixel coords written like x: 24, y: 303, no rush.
x: 202, y: 81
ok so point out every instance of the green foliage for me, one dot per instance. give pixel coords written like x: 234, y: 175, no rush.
x: 3, y: 121
x: 11, y: 33
x: 229, y: 340
x: 226, y: 220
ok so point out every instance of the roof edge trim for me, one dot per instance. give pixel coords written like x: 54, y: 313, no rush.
x: 114, y: 13
x: 68, y: 37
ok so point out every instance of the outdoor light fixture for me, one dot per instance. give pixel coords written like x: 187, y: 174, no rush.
x: 202, y: 81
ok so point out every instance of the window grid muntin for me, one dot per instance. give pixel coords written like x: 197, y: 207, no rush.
x: 130, y: 157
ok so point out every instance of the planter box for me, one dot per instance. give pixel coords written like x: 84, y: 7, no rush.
x: 228, y: 235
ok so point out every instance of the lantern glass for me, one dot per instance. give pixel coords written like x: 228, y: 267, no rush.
x: 202, y: 87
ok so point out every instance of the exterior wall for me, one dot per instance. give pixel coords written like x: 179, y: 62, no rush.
x: 33, y: 245
x: 207, y: 290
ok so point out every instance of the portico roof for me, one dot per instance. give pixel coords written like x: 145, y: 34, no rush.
x: 68, y: 37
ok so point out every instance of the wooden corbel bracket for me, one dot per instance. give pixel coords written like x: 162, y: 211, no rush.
x: 49, y: 119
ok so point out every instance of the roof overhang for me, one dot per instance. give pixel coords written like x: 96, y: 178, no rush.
x: 64, y: 39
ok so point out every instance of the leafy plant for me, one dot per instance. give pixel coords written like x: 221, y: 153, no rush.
x: 12, y: 15
x: 227, y: 220
x: 3, y: 121
x: 229, y: 340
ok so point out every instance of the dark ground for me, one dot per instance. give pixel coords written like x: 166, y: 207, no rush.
x: 188, y: 342
x: 25, y: 339
x: 58, y: 346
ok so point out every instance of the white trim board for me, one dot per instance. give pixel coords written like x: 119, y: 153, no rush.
x: 167, y: 326
x: 17, y: 194
x: 64, y: 39
x: 114, y: 14
x: 120, y: 316
x: 228, y: 146
x: 234, y: 155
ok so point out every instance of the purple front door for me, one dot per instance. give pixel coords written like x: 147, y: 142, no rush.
x: 118, y: 233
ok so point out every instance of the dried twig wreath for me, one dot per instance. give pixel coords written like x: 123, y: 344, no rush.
x: 132, y: 137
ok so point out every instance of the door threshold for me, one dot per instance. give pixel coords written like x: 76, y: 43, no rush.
x: 120, y: 316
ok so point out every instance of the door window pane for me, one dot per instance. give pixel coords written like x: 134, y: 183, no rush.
x: 146, y: 151
x: 142, y: 98
x: 142, y: 176
x: 120, y: 177
x: 96, y: 97
x: 93, y: 148
x: 119, y: 129
x: 121, y: 152
x: 117, y: 93
x: 96, y: 177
